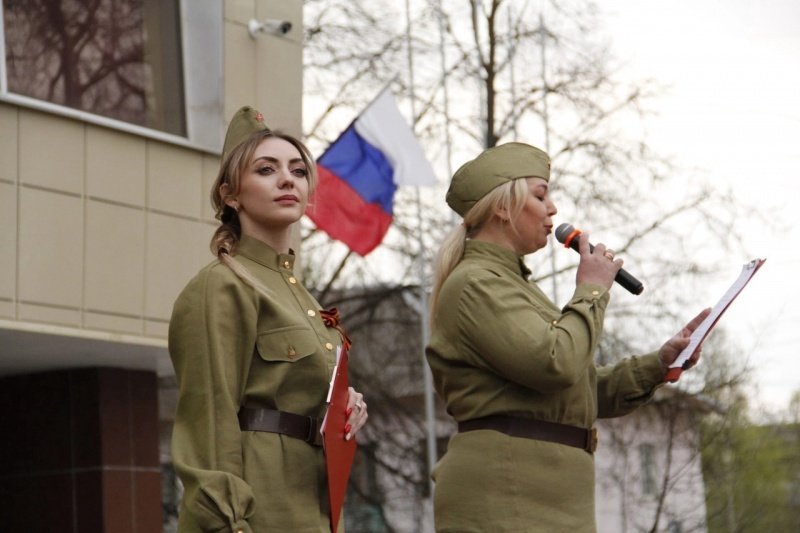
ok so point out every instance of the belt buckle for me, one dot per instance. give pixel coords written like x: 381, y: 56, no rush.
x: 313, y: 437
x: 591, y: 440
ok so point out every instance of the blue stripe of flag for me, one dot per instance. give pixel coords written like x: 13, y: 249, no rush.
x: 363, y: 167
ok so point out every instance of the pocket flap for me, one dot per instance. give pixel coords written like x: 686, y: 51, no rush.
x: 286, y: 344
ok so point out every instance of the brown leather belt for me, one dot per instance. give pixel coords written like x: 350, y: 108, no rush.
x: 305, y: 428
x: 585, y: 439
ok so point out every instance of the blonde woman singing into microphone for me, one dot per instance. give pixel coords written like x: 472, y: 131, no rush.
x: 516, y: 372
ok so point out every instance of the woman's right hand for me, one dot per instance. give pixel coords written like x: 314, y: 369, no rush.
x: 597, y: 266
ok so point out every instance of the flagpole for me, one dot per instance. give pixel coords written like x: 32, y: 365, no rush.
x: 546, y: 119
x: 445, y: 92
x: 423, y: 295
x: 323, y: 295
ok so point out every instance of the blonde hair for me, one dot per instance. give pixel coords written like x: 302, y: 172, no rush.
x: 509, y: 197
x: 226, y: 238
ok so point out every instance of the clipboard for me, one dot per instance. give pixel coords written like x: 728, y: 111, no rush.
x: 698, y: 335
x: 339, y: 453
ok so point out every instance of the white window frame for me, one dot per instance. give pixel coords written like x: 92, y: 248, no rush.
x: 201, y: 42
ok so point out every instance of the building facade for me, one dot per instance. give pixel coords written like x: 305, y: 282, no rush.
x: 649, y: 474
x: 111, y: 125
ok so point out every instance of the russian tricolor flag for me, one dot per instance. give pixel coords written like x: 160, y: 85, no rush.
x: 361, y: 170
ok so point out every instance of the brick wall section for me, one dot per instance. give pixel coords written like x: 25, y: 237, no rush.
x: 79, y: 452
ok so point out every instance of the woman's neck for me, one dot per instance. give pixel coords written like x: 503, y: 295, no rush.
x: 278, y: 239
x: 494, y: 232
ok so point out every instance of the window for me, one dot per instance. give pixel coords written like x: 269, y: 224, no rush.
x: 441, y: 449
x: 675, y: 526
x: 648, y: 468
x: 153, y: 65
x: 116, y: 58
x: 362, y: 511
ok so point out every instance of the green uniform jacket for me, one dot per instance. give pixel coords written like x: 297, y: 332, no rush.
x: 500, y: 346
x: 233, y: 347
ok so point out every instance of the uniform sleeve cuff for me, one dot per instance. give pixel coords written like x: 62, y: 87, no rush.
x: 650, y: 370
x: 241, y: 527
x: 591, y: 292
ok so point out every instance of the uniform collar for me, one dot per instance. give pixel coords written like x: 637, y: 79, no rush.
x: 497, y: 254
x: 263, y: 254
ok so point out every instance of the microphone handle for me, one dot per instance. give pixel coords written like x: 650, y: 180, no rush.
x: 623, y: 277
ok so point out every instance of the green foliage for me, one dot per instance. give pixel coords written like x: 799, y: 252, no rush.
x: 752, y: 474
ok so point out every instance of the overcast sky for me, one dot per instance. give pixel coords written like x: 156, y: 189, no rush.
x: 732, y: 111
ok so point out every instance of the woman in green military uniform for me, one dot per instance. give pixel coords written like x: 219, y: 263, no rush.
x: 254, y: 353
x: 515, y: 371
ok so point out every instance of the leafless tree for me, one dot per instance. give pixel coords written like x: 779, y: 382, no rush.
x: 108, y: 57
x: 86, y: 55
x: 510, y: 72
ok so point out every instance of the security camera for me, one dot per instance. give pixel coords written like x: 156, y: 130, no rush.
x: 273, y: 26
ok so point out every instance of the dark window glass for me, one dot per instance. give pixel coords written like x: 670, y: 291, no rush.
x: 647, y: 453
x: 362, y: 504
x: 116, y: 58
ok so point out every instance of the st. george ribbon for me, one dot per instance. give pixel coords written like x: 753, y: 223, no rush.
x: 566, y: 234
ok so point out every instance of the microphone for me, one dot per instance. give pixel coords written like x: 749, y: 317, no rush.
x: 566, y: 234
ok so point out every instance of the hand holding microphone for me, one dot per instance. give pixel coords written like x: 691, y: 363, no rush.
x: 592, y: 260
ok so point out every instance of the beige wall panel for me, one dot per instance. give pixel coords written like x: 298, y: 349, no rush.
x: 114, y: 258
x: 176, y: 250
x: 7, y: 309
x: 281, y: 103
x: 8, y: 240
x: 174, y: 179
x: 240, y: 69
x: 157, y: 329
x: 8, y: 142
x: 116, y: 324
x: 239, y: 10
x: 115, y: 166
x: 50, y: 248
x: 210, y: 171
x: 49, y: 315
x: 51, y: 151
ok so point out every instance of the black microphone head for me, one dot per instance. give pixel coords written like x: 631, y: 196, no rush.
x: 563, y: 231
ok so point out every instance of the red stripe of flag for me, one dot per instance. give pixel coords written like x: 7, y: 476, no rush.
x: 346, y: 217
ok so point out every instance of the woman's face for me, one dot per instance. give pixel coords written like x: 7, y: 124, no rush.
x: 534, y: 222
x: 273, y: 190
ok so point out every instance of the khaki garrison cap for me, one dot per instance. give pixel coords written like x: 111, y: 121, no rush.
x: 494, y: 167
x: 244, y: 123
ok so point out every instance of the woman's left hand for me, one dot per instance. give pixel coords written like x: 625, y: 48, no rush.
x: 356, y: 413
x: 674, y: 346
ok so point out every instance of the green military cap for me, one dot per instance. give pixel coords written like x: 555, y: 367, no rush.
x: 244, y: 123
x: 494, y: 167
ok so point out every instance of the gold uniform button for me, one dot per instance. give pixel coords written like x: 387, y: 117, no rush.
x: 311, y: 312
x: 286, y: 264
x: 555, y: 322
x: 595, y: 293
x: 329, y: 346
x: 292, y: 280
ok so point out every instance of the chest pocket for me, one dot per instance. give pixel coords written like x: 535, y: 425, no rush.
x: 287, y: 344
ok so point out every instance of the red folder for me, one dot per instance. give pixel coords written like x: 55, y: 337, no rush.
x: 339, y: 453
